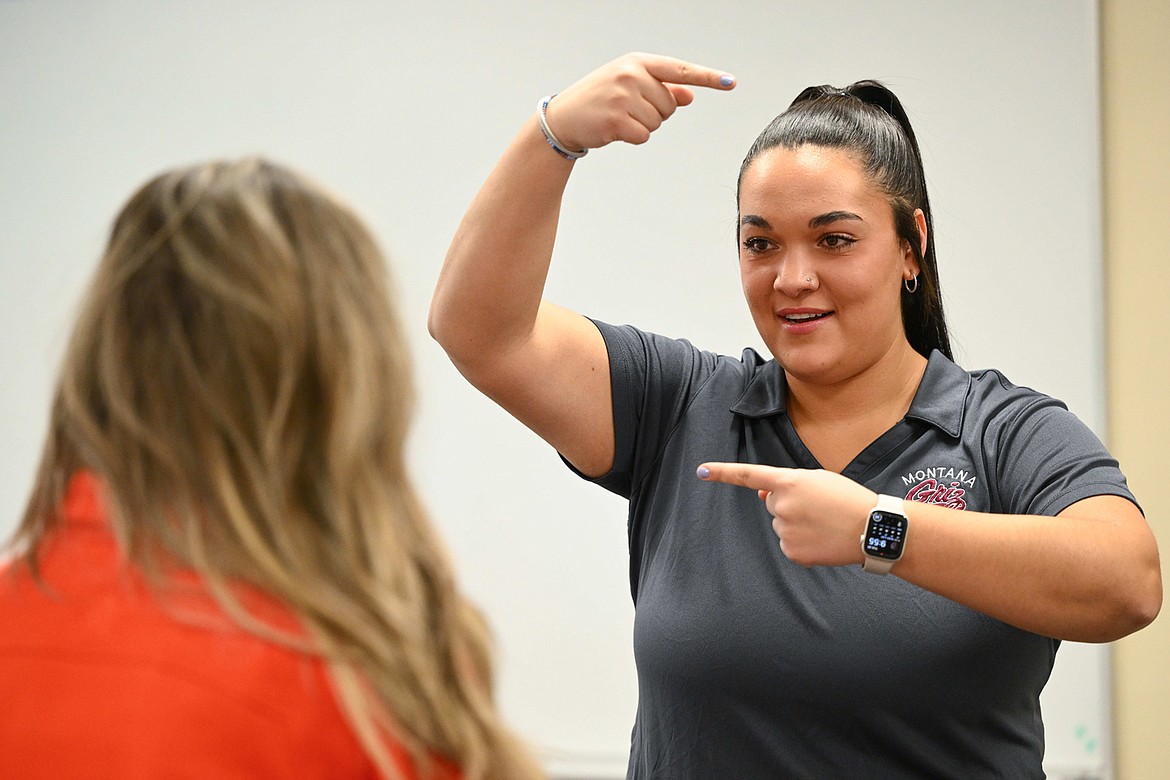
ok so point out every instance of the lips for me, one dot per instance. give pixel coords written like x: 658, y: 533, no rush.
x: 799, y: 322
x: 802, y: 316
x: 806, y: 316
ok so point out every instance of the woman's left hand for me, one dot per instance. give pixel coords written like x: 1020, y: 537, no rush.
x: 818, y: 515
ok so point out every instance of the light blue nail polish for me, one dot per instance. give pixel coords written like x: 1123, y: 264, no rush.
x: 726, y: 80
x: 703, y: 472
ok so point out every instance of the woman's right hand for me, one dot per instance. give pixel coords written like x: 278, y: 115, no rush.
x: 627, y: 99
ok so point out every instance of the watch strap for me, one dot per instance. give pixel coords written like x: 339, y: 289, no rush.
x: 877, y: 565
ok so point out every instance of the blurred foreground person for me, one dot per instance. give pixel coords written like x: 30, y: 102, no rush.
x: 223, y: 569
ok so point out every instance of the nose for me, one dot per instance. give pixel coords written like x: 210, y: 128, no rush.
x: 795, y: 275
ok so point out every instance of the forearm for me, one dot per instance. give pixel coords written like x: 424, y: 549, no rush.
x: 1091, y: 574
x: 1086, y: 575
x: 490, y: 287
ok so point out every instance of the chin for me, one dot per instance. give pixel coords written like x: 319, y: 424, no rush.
x: 818, y: 365
x: 808, y: 367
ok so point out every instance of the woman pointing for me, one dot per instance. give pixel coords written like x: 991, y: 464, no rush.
x: 1000, y: 522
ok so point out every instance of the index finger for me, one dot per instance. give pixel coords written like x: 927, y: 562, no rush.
x: 675, y: 71
x: 749, y: 475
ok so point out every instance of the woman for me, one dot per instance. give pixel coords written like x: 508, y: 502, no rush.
x: 223, y: 569
x: 1005, y: 523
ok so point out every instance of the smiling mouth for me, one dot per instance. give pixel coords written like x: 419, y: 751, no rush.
x: 806, y: 317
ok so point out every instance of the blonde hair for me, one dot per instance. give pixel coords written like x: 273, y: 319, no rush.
x: 240, y: 381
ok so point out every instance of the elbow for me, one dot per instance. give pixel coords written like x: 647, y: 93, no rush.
x: 434, y: 327
x: 443, y: 328
x: 1146, y: 602
x: 436, y: 322
x: 457, y: 338
x: 1134, y: 597
x: 461, y: 334
x: 1132, y: 609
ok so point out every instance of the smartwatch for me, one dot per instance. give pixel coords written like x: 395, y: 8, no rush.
x: 884, y: 539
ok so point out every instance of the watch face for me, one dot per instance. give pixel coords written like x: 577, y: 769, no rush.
x: 885, y: 535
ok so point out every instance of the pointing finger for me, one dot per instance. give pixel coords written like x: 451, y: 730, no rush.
x: 749, y: 475
x: 674, y: 71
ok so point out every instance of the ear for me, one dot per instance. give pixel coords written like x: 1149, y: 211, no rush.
x: 912, y: 268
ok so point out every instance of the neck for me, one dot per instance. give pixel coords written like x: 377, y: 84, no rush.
x: 860, y: 407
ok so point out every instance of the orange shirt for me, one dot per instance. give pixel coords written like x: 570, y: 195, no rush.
x: 98, y: 680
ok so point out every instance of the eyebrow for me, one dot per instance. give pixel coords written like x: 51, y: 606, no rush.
x: 828, y: 218
x: 831, y: 217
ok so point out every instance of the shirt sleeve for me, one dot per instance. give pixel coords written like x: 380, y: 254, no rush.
x: 1047, y: 459
x: 652, y: 379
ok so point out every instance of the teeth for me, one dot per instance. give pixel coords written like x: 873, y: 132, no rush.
x: 802, y: 317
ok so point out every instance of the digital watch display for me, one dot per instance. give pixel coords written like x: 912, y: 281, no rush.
x: 884, y: 539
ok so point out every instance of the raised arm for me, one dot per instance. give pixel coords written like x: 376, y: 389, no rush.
x: 548, y: 366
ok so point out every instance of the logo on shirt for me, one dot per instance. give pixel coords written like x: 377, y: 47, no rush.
x: 939, y: 485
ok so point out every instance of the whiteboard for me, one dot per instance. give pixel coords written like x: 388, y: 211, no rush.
x: 404, y: 107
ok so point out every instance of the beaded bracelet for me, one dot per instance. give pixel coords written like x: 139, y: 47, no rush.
x: 557, y: 146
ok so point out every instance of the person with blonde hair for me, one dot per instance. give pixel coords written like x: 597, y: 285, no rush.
x: 223, y: 569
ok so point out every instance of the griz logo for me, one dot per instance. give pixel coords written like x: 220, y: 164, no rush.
x: 941, y: 486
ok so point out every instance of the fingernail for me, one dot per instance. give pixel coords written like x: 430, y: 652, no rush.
x: 726, y: 80
x: 703, y: 472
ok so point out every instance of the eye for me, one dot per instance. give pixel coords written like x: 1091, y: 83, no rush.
x: 836, y: 242
x: 757, y: 245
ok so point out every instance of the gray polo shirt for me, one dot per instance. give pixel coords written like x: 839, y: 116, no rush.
x: 751, y: 666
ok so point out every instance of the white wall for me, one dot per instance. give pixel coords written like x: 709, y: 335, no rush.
x: 403, y: 108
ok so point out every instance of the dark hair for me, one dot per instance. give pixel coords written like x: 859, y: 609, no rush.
x: 868, y: 120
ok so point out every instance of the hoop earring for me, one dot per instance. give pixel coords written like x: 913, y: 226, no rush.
x: 911, y: 288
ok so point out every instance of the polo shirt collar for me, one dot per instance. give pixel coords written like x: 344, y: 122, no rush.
x: 939, y: 400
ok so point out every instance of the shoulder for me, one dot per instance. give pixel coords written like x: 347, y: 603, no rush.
x: 629, y: 343
x: 973, y: 403
x: 1012, y: 412
x: 991, y: 383
x: 1043, y: 456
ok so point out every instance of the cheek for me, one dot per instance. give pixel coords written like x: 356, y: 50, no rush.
x: 877, y: 299
x: 875, y: 283
x: 756, y: 281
